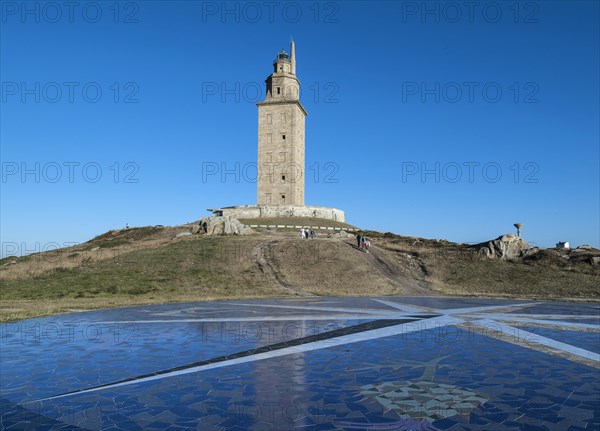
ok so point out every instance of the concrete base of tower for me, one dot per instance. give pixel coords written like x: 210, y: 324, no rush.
x: 273, y: 211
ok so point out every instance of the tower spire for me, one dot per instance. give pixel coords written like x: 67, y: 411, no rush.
x: 293, y: 56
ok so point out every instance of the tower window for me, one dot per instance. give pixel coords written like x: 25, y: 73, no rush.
x: 282, y: 198
x: 283, y: 177
x: 269, y: 118
x: 278, y: 90
x: 283, y: 136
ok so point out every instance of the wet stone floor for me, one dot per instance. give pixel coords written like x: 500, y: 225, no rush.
x: 394, y: 363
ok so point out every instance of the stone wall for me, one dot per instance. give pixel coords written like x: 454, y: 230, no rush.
x: 273, y: 211
x: 281, y: 169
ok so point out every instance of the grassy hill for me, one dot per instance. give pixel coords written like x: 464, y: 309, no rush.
x: 151, y: 265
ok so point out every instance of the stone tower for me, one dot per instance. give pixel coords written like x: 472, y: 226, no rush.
x: 281, y: 136
x: 281, y: 152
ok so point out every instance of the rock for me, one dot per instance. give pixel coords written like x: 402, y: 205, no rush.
x: 223, y: 225
x: 506, y: 247
x: 595, y: 260
x: 95, y: 249
x: 200, y: 227
x: 529, y: 251
x: 341, y: 234
x: 585, y: 247
x: 180, y: 234
x: 195, y: 229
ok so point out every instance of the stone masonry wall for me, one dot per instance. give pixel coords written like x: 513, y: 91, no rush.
x: 273, y: 211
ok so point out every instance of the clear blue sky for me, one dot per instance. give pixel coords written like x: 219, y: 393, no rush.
x: 432, y: 119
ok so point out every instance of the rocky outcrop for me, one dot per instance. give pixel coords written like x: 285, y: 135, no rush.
x: 221, y: 225
x: 197, y: 228
x: 506, y: 247
x: 342, y: 234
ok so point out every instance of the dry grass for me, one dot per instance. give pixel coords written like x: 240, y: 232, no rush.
x: 457, y: 269
x: 109, y: 246
x: 147, y: 266
x: 187, y: 269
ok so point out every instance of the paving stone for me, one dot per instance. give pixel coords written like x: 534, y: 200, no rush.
x: 310, y: 364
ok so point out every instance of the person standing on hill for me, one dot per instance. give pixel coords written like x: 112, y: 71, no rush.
x: 358, y: 239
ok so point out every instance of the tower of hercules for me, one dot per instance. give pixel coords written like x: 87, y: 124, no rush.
x: 281, y: 136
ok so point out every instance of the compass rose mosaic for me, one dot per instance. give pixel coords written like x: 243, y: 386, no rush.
x: 401, y: 363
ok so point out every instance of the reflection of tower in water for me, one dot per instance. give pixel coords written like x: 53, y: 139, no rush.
x: 279, y: 381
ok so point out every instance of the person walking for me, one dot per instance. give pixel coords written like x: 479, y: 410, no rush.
x: 358, y: 238
x: 367, y: 244
x: 302, y: 233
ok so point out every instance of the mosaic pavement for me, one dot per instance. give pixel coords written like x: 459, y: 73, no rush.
x: 395, y: 363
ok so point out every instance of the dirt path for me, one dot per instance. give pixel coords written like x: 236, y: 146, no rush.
x: 348, y: 265
x: 384, y: 264
x: 264, y: 260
